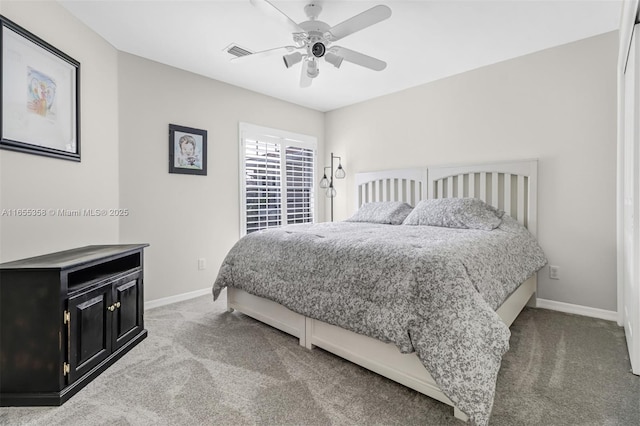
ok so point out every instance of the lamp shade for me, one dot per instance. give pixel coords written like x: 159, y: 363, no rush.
x: 292, y: 59
x: 324, y: 182
x: 340, y: 173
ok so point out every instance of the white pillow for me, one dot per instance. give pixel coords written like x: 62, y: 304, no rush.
x: 389, y: 212
x: 465, y: 213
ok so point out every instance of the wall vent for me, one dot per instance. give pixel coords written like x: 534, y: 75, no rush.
x: 237, y: 51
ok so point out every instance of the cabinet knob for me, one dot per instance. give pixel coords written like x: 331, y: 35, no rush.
x: 111, y: 308
x: 117, y: 304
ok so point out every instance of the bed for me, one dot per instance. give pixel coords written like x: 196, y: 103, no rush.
x: 507, y: 186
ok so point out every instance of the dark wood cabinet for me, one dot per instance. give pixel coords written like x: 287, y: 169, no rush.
x: 65, y: 317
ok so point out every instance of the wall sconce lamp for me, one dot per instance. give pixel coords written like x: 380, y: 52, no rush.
x: 327, y: 183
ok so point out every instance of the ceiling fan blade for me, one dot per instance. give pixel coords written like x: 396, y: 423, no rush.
x: 305, y: 80
x: 269, y: 9
x: 359, y: 58
x: 265, y: 53
x: 360, y: 21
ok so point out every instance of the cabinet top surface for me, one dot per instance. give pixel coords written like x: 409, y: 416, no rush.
x: 68, y: 258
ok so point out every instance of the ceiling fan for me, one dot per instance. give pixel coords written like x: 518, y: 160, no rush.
x: 312, y: 39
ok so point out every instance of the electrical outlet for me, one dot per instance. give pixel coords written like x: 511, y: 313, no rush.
x: 202, y: 264
x: 554, y: 272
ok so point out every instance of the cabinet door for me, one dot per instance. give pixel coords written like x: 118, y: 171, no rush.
x: 128, y: 316
x: 89, y: 331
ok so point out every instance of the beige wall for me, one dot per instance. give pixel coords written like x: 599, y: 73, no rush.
x: 31, y: 181
x: 558, y: 105
x: 187, y: 217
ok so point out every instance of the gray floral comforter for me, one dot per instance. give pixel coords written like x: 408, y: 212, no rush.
x: 427, y: 289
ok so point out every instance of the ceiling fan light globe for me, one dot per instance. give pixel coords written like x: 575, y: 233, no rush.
x: 312, y: 69
x: 292, y: 59
x: 333, y: 59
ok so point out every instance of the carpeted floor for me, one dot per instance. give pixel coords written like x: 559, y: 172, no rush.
x: 203, y: 366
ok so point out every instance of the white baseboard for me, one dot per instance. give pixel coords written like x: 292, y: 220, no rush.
x: 177, y: 298
x: 577, y: 309
x: 553, y: 305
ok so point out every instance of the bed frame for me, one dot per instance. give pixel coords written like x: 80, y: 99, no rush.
x: 510, y: 186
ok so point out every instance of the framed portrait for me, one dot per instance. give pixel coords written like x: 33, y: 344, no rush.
x: 40, y: 91
x: 187, y: 150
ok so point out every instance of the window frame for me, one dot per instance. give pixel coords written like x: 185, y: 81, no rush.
x: 284, y: 138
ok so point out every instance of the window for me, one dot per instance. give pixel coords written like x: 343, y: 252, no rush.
x: 277, y: 175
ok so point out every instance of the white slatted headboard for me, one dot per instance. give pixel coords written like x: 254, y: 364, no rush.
x: 510, y: 186
x: 407, y: 185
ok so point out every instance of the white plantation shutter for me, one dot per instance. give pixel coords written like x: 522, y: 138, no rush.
x: 263, y: 193
x: 277, y: 178
x: 299, y: 184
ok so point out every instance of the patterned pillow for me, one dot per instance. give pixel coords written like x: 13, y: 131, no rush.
x: 389, y: 212
x: 465, y: 213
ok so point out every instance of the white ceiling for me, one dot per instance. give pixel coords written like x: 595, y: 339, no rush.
x: 423, y: 41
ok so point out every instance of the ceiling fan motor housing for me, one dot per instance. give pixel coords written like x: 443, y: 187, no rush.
x: 312, y: 11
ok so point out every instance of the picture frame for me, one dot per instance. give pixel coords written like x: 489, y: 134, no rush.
x: 40, y: 92
x: 187, y: 150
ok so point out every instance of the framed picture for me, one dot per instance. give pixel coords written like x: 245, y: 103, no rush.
x: 187, y: 150
x: 40, y: 92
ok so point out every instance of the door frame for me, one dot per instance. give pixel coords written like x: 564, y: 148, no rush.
x: 628, y: 21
